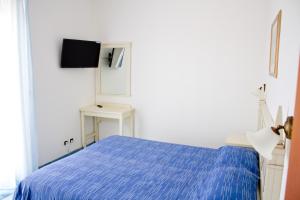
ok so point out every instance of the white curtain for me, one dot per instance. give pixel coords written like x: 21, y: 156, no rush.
x: 29, y: 162
x: 17, y: 129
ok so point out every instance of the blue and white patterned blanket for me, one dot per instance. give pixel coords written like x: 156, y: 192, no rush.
x: 129, y: 168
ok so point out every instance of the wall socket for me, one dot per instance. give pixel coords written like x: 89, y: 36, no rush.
x: 68, y: 144
x: 70, y: 141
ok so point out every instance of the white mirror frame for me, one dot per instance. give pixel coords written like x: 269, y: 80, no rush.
x: 127, y: 57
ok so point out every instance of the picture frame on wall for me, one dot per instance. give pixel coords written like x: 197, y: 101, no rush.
x: 274, y: 45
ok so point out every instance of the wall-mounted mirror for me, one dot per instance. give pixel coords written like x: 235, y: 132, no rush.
x: 113, y: 73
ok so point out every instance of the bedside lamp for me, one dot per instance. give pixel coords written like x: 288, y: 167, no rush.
x: 265, y: 140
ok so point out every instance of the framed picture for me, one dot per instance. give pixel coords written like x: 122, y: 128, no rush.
x: 274, y: 45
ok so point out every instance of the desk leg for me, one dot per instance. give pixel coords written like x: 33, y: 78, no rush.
x: 121, y: 126
x: 83, y: 142
x: 96, y: 128
x: 132, y: 125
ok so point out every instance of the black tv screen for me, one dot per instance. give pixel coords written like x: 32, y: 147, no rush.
x: 79, y: 53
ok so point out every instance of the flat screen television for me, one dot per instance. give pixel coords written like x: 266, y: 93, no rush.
x: 80, y: 53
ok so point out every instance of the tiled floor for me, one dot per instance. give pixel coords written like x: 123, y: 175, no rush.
x: 8, y: 198
x: 6, y: 194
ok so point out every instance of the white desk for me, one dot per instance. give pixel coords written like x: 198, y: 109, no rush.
x: 108, y: 111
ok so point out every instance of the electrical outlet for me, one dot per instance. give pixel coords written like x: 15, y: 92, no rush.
x: 71, y: 140
x: 66, y: 142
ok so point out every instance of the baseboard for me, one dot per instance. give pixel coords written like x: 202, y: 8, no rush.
x: 66, y: 155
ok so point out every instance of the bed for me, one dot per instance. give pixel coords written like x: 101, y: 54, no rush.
x: 121, y: 167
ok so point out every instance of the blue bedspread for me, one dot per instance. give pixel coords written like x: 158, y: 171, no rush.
x: 129, y: 168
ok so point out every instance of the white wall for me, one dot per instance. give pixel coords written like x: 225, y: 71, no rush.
x: 282, y: 91
x: 194, y: 64
x: 59, y: 92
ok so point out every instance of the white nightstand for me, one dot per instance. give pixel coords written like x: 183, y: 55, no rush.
x: 238, y: 140
x: 270, y: 170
